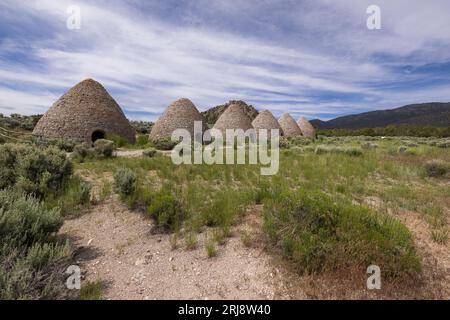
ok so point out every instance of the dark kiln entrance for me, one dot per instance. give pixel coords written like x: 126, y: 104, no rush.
x: 98, y: 134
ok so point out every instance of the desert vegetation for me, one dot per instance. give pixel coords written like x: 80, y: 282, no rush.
x: 317, y: 210
x: 334, y: 206
x: 38, y: 190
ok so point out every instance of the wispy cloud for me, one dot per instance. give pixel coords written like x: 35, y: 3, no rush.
x: 309, y: 58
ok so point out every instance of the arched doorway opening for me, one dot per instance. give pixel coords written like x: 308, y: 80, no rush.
x: 97, y: 134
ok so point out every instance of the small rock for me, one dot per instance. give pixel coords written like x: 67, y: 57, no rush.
x: 171, y: 259
x: 140, y: 262
x: 148, y: 256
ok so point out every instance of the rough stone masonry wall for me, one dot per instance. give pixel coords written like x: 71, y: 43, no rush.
x: 233, y: 118
x: 181, y: 114
x: 265, y: 120
x: 307, y: 128
x: 85, y: 108
x: 289, y: 126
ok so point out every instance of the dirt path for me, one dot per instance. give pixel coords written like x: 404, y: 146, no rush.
x: 116, y: 247
x: 436, y: 257
x: 127, y: 153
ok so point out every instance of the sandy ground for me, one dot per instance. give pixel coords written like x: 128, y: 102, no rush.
x: 115, y: 245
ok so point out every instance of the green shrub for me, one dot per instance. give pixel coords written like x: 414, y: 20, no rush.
x: 352, y: 151
x: 64, y: 145
x: 436, y: 168
x: 24, y: 220
x: 125, y: 182
x: 443, y: 145
x: 370, y: 146
x: 8, y: 163
x: 225, y: 206
x: 412, y: 145
x: 402, y: 149
x: 319, y: 234
x: 118, y: 141
x: 142, y: 127
x: 28, y: 255
x: 150, y: 152
x: 92, y: 291
x: 300, y: 141
x: 191, y: 241
x: 211, y: 249
x: 33, y: 170
x: 308, y: 149
x: 42, y: 171
x: 75, y: 194
x: 321, y: 150
x: 142, y: 140
x: 262, y: 192
x: 284, y: 143
x: 164, y: 144
x: 104, y: 148
x: 166, y: 210
x: 41, y: 255
x: 82, y: 152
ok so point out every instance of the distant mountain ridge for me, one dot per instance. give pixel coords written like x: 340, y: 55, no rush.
x: 434, y: 114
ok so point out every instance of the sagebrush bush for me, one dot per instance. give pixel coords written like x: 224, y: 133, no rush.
x: 104, y: 148
x: 166, y: 210
x: 402, y: 149
x: 64, y: 145
x: 284, y: 143
x: 321, y: 150
x: 42, y: 171
x: 150, y: 152
x: 319, y: 234
x: 300, y: 141
x: 33, y: 170
x: 24, y: 220
x: 82, y: 152
x: 125, y: 182
x: 443, y: 145
x: 164, y: 144
x: 28, y: 255
x: 352, y: 151
x: 437, y: 168
x: 370, y: 146
x: 8, y: 163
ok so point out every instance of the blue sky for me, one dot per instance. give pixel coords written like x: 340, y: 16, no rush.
x: 310, y: 58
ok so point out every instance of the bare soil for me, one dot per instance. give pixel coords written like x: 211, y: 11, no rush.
x: 115, y: 245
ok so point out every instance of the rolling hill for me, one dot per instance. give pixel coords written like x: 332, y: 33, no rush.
x: 426, y: 114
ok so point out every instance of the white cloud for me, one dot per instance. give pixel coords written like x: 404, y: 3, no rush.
x: 147, y: 62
